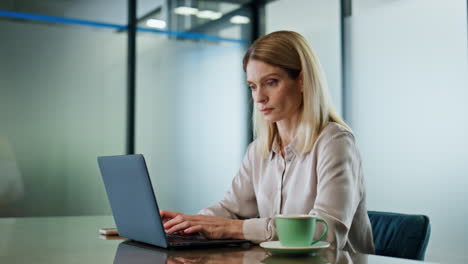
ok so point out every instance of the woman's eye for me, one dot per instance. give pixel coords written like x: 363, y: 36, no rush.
x: 252, y: 87
x: 271, y: 83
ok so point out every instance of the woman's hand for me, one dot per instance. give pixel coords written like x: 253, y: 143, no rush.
x: 167, y: 215
x: 209, y: 226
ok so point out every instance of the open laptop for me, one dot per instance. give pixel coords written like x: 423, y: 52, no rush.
x: 134, y: 205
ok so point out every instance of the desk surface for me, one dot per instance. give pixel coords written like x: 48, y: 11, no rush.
x: 76, y: 240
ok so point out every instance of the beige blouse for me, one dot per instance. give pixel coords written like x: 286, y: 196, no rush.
x: 326, y: 182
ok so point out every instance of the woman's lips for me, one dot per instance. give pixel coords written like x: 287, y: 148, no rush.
x: 266, y: 110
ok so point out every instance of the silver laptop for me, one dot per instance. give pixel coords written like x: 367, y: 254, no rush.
x: 134, y: 205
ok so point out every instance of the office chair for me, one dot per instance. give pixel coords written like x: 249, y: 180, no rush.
x: 400, y: 235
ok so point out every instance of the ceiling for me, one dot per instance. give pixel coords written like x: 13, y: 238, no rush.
x: 110, y: 11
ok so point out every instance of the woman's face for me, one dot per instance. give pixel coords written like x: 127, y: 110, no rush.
x: 276, y: 95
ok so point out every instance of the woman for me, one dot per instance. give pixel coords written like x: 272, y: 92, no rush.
x: 303, y: 160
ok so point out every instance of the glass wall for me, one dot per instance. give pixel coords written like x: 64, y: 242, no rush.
x: 62, y: 104
x: 322, y: 30
x: 192, y: 103
x: 63, y: 101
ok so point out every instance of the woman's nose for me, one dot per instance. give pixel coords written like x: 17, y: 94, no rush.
x: 260, y: 96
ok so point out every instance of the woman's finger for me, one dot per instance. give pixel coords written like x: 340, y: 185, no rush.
x: 178, y: 227
x: 194, y: 220
x: 176, y: 220
x: 193, y: 229
x: 188, y: 259
x: 168, y: 214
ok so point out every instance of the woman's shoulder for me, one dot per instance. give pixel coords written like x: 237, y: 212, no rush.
x: 255, y: 153
x: 333, y: 131
x: 251, y: 151
x: 334, y: 128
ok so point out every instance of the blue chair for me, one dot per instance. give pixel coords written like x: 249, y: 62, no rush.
x: 400, y: 235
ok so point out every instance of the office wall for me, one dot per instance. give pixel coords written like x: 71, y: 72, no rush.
x: 319, y: 22
x: 191, y: 118
x: 62, y: 103
x: 407, y: 92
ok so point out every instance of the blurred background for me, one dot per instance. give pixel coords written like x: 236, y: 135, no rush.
x: 70, y: 90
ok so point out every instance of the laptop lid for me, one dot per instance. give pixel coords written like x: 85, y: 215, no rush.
x: 134, y: 205
x: 132, y: 199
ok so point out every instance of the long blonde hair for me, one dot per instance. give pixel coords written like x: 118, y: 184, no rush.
x: 291, y: 52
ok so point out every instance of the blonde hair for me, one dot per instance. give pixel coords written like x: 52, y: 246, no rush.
x: 290, y: 51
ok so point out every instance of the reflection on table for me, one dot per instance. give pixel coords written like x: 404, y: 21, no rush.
x: 134, y: 252
x: 76, y: 239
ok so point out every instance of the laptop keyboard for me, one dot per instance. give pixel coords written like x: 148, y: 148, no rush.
x: 174, y: 238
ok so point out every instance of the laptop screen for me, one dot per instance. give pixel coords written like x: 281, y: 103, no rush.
x: 132, y: 198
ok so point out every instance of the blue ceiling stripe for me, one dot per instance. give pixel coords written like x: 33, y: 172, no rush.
x: 81, y: 22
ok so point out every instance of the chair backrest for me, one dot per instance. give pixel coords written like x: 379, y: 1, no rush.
x: 400, y: 235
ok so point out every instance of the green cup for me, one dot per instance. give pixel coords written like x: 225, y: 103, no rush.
x: 298, y: 230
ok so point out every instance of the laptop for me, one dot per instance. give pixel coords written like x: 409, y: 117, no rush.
x: 134, y: 205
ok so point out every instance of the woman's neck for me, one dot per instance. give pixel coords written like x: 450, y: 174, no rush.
x: 287, y: 130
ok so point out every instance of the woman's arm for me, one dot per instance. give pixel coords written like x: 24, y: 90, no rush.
x: 339, y: 186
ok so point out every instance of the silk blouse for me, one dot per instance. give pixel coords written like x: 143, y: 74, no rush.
x: 326, y: 182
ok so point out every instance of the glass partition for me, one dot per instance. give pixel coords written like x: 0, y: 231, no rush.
x: 105, y: 11
x: 322, y: 30
x: 192, y: 105
x: 62, y: 104
x: 63, y: 98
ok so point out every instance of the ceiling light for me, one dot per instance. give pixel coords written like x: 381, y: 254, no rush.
x: 240, y: 20
x: 208, y: 14
x: 156, y: 23
x: 185, y: 10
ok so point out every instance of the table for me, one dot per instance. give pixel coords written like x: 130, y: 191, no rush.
x: 76, y: 239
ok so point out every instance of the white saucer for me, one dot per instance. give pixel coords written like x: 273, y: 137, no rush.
x: 276, y: 248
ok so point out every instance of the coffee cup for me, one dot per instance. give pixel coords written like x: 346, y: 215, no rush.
x: 298, y: 230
